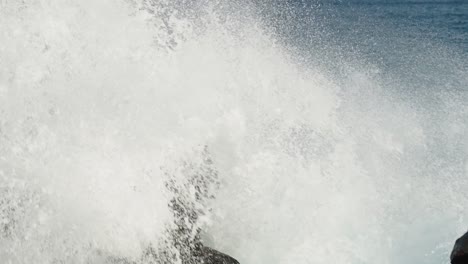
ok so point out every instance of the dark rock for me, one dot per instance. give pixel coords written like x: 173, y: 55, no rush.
x: 189, y: 203
x: 203, y: 255
x: 210, y: 256
x: 183, y: 243
x: 460, y: 251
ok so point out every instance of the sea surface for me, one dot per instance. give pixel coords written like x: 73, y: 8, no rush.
x: 299, y: 131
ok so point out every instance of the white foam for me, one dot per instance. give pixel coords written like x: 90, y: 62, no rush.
x: 100, y: 101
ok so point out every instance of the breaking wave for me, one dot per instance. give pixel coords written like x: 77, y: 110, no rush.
x: 330, y: 159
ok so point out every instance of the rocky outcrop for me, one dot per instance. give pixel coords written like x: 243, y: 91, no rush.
x: 460, y: 251
x: 189, y: 203
x: 183, y: 243
x: 203, y: 255
x: 210, y: 256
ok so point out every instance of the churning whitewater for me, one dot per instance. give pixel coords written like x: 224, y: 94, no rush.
x: 288, y: 154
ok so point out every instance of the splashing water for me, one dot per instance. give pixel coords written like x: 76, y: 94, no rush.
x: 102, y: 103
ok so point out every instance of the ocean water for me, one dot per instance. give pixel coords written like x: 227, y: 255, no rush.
x: 337, y: 130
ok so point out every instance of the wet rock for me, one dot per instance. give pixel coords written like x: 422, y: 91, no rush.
x: 203, y: 255
x: 460, y: 251
x: 208, y: 255
x: 192, y: 189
